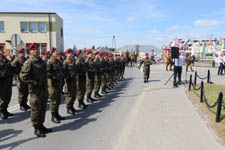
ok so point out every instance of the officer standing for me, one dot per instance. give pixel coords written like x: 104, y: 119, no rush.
x: 34, y: 74
x: 90, y: 76
x: 81, y: 79
x: 6, y: 76
x: 104, y: 69
x: 146, y: 69
x: 70, y: 72
x: 54, y: 73
x: 169, y: 63
x: 22, y: 87
x: 189, y: 63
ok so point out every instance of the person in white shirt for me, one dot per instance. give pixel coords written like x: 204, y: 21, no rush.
x: 221, y: 64
x: 178, y: 63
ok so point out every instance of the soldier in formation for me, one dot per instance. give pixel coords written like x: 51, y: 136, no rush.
x: 43, y: 77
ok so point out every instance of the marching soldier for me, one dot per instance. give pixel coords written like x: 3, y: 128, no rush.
x: 98, y: 73
x: 146, y: 69
x: 6, y: 77
x: 169, y: 63
x: 90, y: 76
x: 81, y: 79
x: 104, y: 69
x: 70, y: 72
x: 54, y: 73
x: 22, y: 87
x: 34, y: 74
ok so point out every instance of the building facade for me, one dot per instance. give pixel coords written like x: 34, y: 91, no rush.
x: 20, y: 29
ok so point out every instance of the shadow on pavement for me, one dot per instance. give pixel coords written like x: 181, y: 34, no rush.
x: 20, y: 116
x: 83, y: 117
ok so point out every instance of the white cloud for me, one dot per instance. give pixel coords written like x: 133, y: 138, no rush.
x: 207, y: 23
x: 154, y: 31
x: 132, y: 18
x: 159, y: 38
x: 172, y: 28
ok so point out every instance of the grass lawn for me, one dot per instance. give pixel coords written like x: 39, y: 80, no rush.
x: 211, y: 92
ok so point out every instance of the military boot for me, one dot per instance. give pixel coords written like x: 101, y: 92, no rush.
x: 45, y: 130
x: 54, y: 118
x: 23, y: 107
x: 39, y: 133
x: 60, y: 117
x: 82, y: 105
x: 3, y: 115
x: 8, y: 113
x: 71, y: 111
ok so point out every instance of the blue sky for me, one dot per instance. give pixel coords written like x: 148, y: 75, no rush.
x: 149, y: 22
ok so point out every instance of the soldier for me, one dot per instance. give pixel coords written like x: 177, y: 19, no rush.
x: 146, y: 69
x: 189, y: 63
x: 69, y: 69
x: 6, y: 76
x: 81, y: 79
x: 91, y: 70
x: 98, y: 73
x: 104, y: 69
x: 123, y: 66
x: 34, y: 74
x: 169, y: 63
x: 54, y: 73
x: 22, y: 87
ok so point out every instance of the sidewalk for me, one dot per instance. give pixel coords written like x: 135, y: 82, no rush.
x: 163, y: 118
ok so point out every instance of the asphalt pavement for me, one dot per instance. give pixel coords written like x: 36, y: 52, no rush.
x: 133, y: 116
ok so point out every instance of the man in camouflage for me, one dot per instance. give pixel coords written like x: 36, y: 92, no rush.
x: 98, y: 73
x: 70, y: 73
x: 146, y: 69
x: 34, y: 74
x: 81, y: 79
x: 6, y: 76
x: 169, y: 63
x: 54, y: 74
x: 104, y: 74
x: 22, y: 87
x: 91, y: 71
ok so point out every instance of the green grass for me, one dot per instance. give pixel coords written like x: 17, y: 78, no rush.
x: 211, y: 92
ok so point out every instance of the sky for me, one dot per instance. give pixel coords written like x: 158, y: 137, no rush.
x: 144, y: 22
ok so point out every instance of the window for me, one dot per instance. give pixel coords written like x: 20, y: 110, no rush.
x: 42, y: 26
x: 62, y: 32
x: 2, y: 29
x: 33, y: 26
x: 24, y: 26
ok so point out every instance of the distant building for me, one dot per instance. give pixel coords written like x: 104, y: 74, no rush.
x: 44, y: 28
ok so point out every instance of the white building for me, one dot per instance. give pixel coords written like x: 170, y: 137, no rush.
x: 46, y: 29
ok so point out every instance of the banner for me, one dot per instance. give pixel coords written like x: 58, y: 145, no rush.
x: 210, y: 48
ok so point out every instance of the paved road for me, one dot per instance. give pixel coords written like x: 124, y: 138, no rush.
x: 134, y: 116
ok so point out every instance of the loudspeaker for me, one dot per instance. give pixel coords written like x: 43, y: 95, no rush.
x: 175, y: 52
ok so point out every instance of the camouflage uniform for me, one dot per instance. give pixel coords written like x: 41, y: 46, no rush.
x: 6, y: 76
x: 22, y: 87
x: 81, y: 81
x: 34, y: 74
x: 146, y: 69
x: 189, y: 62
x: 70, y: 73
x: 104, y: 75
x: 90, y: 77
x: 98, y: 70
x: 169, y: 63
x: 54, y: 73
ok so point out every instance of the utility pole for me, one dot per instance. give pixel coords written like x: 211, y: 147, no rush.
x: 114, y: 42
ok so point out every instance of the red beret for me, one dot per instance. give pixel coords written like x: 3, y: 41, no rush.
x: 89, y: 52
x: 78, y: 52
x: 34, y: 45
x: 47, y: 52
x: 106, y: 54
x: 102, y: 53
x: 21, y: 50
x: 110, y: 55
x: 69, y: 50
x: 52, y: 49
x: 59, y: 53
x: 122, y: 55
x: 146, y: 54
